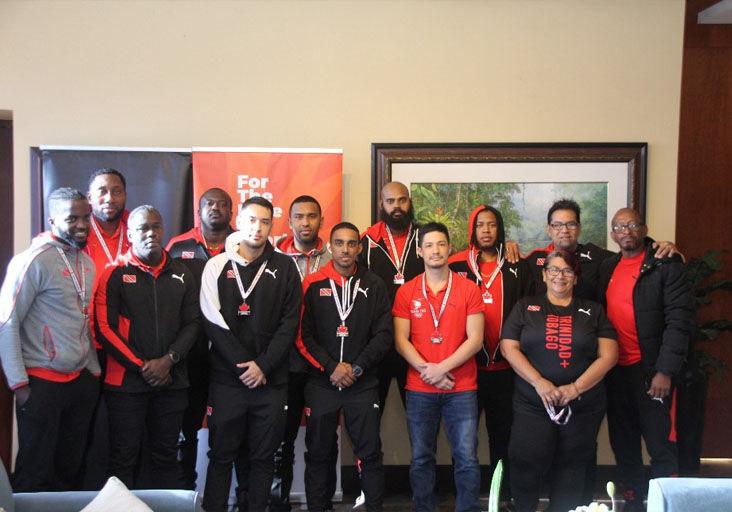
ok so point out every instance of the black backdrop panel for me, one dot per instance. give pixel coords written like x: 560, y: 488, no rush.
x: 162, y: 179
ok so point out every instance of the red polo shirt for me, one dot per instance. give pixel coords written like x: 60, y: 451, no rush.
x: 96, y: 252
x: 620, y: 309
x: 493, y: 311
x: 410, y: 303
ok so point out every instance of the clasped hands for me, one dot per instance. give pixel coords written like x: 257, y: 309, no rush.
x: 434, y: 375
x: 342, y: 376
x: 253, y: 376
x: 156, y: 372
x: 557, y: 396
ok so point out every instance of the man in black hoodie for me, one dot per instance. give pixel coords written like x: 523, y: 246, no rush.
x: 346, y: 331
x: 250, y: 299
x: 649, y: 301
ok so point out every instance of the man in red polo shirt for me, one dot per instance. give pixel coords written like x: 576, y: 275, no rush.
x: 438, y: 328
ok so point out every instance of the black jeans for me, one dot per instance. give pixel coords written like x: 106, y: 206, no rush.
x: 362, y: 416
x: 254, y: 418
x: 198, y: 376
x: 631, y: 413
x: 495, y: 397
x: 540, y: 449
x: 393, y: 366
x: 53, y: 425
x: 156, y: 416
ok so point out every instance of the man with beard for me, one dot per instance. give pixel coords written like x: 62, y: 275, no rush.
x: 309, y: 253
x: 194, y: 248
x: 650, y: 303
x: 250, y: 299
x: 46, y: 350
x: 389, y: 250
x: 147, y: 318
x: 346, y: 330
x: 501, y: 284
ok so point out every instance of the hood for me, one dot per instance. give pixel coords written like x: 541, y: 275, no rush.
x: 329, y: 271
x: 231, y: 247
x: 375, y: 232
x: 48, y: 238
x: 286, y: 245
x: 471, y: 251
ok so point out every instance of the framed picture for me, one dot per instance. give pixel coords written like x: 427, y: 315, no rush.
x: 521, y: 180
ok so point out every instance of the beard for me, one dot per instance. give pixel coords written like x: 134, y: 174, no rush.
x: 398, y: 223
x: 99, y: 214
x: 73, y: 242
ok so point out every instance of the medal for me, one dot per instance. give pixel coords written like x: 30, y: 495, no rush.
x: 245, y: 309
x: 475, y: 267
x: 398, y: 262
x: 342, y: 331
x: 104, y: 244
x: 79, y: 287
x: 487, y: 297
x: 344, y: 306
x: 436, y: 336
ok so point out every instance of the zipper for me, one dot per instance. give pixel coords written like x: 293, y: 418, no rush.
x: 155, y: 303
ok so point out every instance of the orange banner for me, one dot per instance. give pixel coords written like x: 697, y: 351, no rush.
x: 279, y: 175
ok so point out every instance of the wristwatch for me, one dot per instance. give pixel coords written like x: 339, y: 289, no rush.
x: 356, y: 370
x: 174, y: 356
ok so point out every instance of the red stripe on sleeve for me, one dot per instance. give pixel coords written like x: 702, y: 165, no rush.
x: 299, y: 343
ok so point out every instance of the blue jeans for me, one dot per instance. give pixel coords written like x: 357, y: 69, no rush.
x: 459, y: 411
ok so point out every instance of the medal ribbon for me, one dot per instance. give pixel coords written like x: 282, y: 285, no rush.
x: 399, y: 262
x: 104, y: 244
x: 313, y: 268
x: 247, y: 293
x: 436, y: 318
x: 475, y: 267
x: 347, y: 301
x: 80, y: 288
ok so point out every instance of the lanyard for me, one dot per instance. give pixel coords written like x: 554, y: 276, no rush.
x: 436, y: 318
x: 313, y: 268
x: 80, y: 288
x: 398, y: 262
x: 475, y: 267
x: 558, y: 416
x: 104, y: 244
x: 247, y: 293
x: 345, y: 304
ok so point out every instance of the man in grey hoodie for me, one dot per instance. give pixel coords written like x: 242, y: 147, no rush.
x: 46, y: 350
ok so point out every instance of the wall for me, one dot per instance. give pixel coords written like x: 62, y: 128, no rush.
x: 344, y: 74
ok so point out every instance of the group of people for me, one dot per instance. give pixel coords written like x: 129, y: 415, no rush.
x: 251, y: 335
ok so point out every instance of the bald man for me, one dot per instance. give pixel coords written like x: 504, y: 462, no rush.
x: 649, y: 301
x: 389, y: 250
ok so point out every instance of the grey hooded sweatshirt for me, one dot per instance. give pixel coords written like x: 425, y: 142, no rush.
x: 43, y: 330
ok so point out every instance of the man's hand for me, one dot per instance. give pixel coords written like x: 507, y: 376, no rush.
x: 342, y: 376
x: 156, y: 372
x: 253, y: 376
x: 660, y: 386
x: 548, y: 392
x: 511, y: 251
x: 22, y: 395
x: 447, y: 382
x: 666, y: 249
x: 432, y: 373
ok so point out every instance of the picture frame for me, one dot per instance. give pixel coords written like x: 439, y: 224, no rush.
x: 619, y: 169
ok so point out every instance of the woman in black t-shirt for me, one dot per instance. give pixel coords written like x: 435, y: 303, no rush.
x: 560, y: 347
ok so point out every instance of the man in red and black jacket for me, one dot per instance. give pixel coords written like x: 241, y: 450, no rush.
x: 147, y: 319
x: 194, y: 248
x: 389, y: 250
x: 501, y: 285
x: 346, y: 331
x: 650, y: 303
x: 250, y: 299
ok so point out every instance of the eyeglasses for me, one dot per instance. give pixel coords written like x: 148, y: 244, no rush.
x: 555, y: 271
x: 559, y: 416
x: 571, y: 225
x: 630, y: 226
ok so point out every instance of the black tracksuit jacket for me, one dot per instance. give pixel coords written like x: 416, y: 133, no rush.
x: 370, y: 331
x: 664, y: 310
x: 268, y: 334
x: 139, y: 316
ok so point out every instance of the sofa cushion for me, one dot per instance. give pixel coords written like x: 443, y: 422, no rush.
x: 115, y: 496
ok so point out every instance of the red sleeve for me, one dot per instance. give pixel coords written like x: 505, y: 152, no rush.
x: 401, y: 301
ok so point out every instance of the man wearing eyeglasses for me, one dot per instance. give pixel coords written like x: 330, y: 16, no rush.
x: 649, y: 301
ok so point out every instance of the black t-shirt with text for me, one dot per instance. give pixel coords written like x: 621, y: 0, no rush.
x: 559, y: 341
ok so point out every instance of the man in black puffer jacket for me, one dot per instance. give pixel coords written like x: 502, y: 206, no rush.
x: 649, y: 301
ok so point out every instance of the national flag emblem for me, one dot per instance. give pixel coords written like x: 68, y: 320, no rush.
x: 540, y: 262
x: 534, y: 308
x: 230, y: 274
x: 129, y: 278
x: 326, y: 292
x: 209, y: 410
x: 188, y: 255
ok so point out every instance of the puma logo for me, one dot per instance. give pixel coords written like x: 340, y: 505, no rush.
x: 273, y: 272
x: 514, y: 271
x: 364, y: 291
x: 585, y: 311
x: 179, y: 278
x: 583, y: 255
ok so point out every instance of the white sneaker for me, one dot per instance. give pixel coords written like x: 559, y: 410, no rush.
x: 360, y: 501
